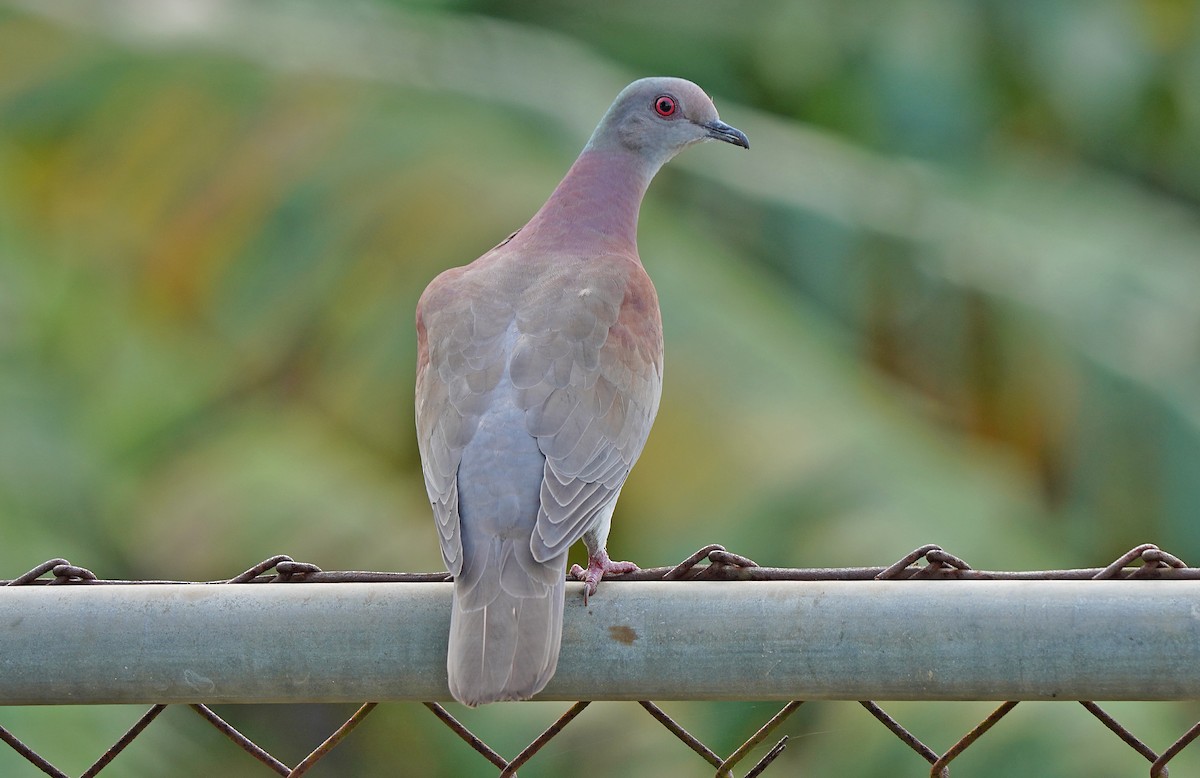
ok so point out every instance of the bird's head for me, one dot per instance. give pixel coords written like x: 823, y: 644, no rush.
x: 659, y: 117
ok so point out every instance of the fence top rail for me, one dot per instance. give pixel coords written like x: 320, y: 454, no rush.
x: 718, y: 640
x: 1130, y: 630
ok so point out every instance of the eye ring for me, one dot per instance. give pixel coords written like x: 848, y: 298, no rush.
x: 664, y: 106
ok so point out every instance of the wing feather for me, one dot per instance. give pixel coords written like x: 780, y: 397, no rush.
x: 591, y: 387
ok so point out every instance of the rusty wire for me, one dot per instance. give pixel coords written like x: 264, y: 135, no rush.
x: 125, y: 740
x: 722, y: 565
x: 242, y: 742
x: 686, y: 737
x: 711, y: 562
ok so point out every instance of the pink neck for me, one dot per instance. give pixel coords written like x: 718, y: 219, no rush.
x: 594, y: 208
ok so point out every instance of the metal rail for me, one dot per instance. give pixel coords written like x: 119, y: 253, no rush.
x: 662, y: 640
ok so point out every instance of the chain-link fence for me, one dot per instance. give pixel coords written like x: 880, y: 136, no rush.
x: 759, y: 749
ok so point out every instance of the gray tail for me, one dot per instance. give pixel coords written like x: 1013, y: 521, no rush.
x: 506, y: 649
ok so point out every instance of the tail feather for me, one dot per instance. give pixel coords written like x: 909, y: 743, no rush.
x: 507, y: 649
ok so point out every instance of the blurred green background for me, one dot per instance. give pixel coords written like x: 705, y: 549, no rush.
x: 950, y: 295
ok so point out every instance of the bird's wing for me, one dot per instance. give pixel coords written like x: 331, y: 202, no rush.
x: 460, y: 358
x: 587, y: 365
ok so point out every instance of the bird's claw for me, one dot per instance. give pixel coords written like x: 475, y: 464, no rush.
x: 597, y: 568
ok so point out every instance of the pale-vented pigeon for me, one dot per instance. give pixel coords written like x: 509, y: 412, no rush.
x: 538, y: 376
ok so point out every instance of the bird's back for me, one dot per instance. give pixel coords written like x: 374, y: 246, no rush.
x: 538, y: 380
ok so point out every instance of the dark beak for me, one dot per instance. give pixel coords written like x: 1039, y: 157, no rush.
x: 721, y: 131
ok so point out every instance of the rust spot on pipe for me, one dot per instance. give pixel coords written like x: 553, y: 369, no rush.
x: 623, y: 634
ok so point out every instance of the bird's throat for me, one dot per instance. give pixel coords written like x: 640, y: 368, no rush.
x: 595, y: 206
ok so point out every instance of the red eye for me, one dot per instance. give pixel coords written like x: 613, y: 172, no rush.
x: 664, y: 105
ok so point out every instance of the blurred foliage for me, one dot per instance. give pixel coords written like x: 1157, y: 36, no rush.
x: 949, y: 296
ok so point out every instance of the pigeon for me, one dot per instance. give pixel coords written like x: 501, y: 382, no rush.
x: 539, y: 373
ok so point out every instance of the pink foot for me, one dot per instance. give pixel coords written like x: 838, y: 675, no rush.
x: 598, y: 567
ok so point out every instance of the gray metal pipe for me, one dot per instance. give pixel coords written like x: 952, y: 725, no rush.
x: 353, y: 642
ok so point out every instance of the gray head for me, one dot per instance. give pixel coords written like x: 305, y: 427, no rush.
x: 659, y: 117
